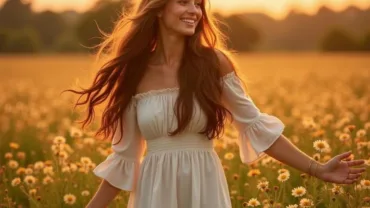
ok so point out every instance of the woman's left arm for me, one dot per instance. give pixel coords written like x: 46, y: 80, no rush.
x: 335, y: 170
x: 261, y: 134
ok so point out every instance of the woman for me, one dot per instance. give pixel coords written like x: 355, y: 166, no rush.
x: 171, y: 85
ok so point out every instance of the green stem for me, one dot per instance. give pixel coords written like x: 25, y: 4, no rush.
x: 281, y: 190
x: 7, y: 199
x: 30, y: 198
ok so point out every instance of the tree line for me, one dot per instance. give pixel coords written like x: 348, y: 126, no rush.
x: 24, y: 31
x: 30, y: 32
x: 341, y: 40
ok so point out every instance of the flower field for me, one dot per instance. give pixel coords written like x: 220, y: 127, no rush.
x: 46, y: 159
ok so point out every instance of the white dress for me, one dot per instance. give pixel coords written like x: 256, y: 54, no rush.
x: 182, y: 171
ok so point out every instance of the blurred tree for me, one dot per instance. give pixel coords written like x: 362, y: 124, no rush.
x: 67, y: 43
x: 102, y: 16
x: 15, y: 14
x: 366, y: 42
x: 4, y: 40
x: 242, y: 36
x: 25, y: 40
x: 49, y: 25
x: 339, y: 40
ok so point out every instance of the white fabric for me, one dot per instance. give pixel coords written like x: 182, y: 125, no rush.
x: 257, y: 131
x: 182, y: 171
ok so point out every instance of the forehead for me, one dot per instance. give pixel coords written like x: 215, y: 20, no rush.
x: 199, y: 1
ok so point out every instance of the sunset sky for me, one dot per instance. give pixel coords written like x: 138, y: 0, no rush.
x: 275, y: 8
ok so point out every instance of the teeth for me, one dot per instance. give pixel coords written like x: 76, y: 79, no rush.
x: 188, y: 21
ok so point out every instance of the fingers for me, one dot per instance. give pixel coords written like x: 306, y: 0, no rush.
x: 344, y: 155
x: 349, y: 181
x: 355, y: 162
x: 357, y: 170
x: 354, y: 176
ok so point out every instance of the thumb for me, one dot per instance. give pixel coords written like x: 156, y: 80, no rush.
x: 344, y: 155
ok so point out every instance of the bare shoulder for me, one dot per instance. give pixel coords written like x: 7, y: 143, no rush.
x: 226, y: 64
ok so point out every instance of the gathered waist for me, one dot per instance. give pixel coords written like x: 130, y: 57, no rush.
x: 179, y: 142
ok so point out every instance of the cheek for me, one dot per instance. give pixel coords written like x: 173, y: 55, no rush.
x: 171, y: 21
x: 199, y: 11
x: 200, y: 15
x: 172, y: 16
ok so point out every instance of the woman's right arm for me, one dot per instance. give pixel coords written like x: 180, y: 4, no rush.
x: 103, y: 196
x: 121, y: 168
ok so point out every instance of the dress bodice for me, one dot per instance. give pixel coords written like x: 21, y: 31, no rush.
x: 156, y: 116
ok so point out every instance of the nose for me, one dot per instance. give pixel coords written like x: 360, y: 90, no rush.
x: 192, y: 9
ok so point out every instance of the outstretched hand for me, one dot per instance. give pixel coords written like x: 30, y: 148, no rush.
x: 341, y: 172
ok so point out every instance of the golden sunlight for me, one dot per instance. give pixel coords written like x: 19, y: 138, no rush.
x: 277, y: 8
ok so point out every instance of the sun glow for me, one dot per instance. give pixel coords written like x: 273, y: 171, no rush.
x: 277, y: 8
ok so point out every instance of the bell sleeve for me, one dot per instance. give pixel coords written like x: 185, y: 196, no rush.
x: 257, y: 131
x: 121, y: 167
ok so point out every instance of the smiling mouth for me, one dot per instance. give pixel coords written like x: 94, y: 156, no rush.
x: 189, y: 21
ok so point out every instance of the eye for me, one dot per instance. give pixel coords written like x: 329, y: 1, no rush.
x: 183, y: 1
x: 199, y: 4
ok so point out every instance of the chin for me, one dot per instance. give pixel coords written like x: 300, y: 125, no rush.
x: 187, y: 32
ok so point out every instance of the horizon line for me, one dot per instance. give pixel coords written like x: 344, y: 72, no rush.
x: 276, y: 16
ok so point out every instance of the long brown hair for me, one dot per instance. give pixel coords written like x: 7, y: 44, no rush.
x: 125, y: 54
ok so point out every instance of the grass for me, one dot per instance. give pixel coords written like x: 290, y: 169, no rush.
x: 318, y: 97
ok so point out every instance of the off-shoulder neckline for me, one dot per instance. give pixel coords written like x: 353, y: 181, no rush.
x: 169, y: 90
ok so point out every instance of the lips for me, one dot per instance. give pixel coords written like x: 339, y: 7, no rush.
x: 190, y: 21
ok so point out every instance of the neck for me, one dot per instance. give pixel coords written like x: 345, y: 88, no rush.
x: 169, y: 49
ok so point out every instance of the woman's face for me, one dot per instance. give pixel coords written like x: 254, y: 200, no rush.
x: 181, y: 16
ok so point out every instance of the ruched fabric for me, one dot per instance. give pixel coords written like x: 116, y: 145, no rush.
x: 182, y: 171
